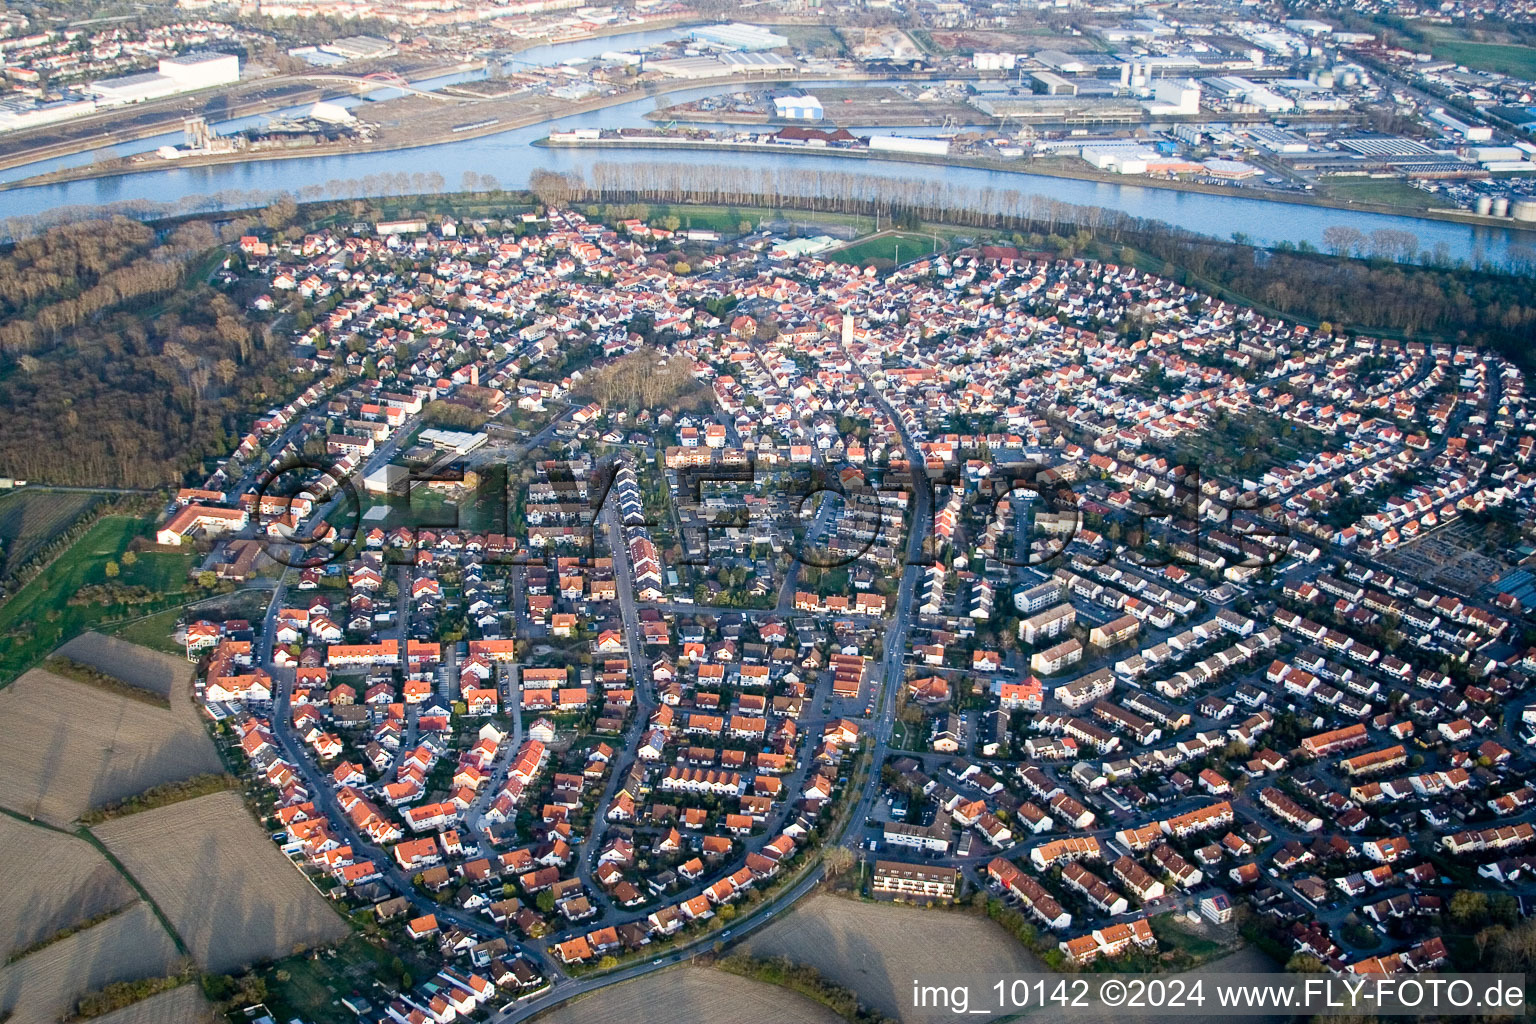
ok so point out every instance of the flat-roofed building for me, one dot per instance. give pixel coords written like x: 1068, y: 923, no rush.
x: 926, y: 881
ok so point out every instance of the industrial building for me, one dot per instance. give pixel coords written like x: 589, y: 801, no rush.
x: 359, y: 48
x: 1276, y: 140
x: 737, y: 36
x: 1071, y: 110
x: 198, y: 70
x: 1067, y: 63
x: 1174, y: 96
x: 797, y: 108
x: 17, y: 114
x: 1051, y: 84
x: 723, y: 64
x: 1245, y: 95
x: 1231, y: 170
x: 201, y: 69
x: 138, y: 88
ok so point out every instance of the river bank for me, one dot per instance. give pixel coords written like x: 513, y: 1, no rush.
x: 1050, y: 170
x: 507, y: 151
x: 493, y: 117
x: 292, y: 90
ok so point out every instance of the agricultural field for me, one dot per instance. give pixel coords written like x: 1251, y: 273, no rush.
x: 228, y: 892
x: 43, y: 987
x: 39, y: 616
x: 159, y: 673
x: 80, y: 884
x: 889, y: 246
x: 692, y: 994
x: 876, y: 949
x: 1247, y: 960
x: 184, y: 1005
x: 30, y: 517
x: 59, y: 763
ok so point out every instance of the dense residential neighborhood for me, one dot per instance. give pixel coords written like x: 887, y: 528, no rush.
x: 1036, y: 577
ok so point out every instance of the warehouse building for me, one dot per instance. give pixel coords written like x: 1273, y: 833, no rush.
x: 797, y: 108
x: 1051, y: 84
x: 737, y: 36
x: 139, y: 88
x: 201, y: 69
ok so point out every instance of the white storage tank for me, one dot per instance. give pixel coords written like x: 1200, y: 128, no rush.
x: 1501, y: 206
x: 1524, y: 210
x: 1483, y: 205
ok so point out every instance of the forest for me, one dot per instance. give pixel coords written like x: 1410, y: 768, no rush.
x: 1362, y: 294
x: 119, y: 364
x: 644, y: 379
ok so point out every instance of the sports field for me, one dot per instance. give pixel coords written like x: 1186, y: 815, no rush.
x: 892, y: 246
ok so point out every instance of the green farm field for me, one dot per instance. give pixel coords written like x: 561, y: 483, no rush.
x: 39, y: 617
x: 30, y: 517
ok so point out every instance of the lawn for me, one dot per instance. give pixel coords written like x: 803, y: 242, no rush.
x: 811, y: 38
x: 1387, y: 191
x: 39, y: 618
x: 30, y: 517
x: 1519, y: 61
x: 724, y: 219
x: 1173, y: 934
x: 152, y: 631
x: 891, y: 246
x: 1509, y: 58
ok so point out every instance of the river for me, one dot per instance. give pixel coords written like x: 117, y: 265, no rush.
x: 511, y: 157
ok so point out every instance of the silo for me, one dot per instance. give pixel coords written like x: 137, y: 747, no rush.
x: 1524, y: 210
x: 1483, y: 205
x: 1501, y: 206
